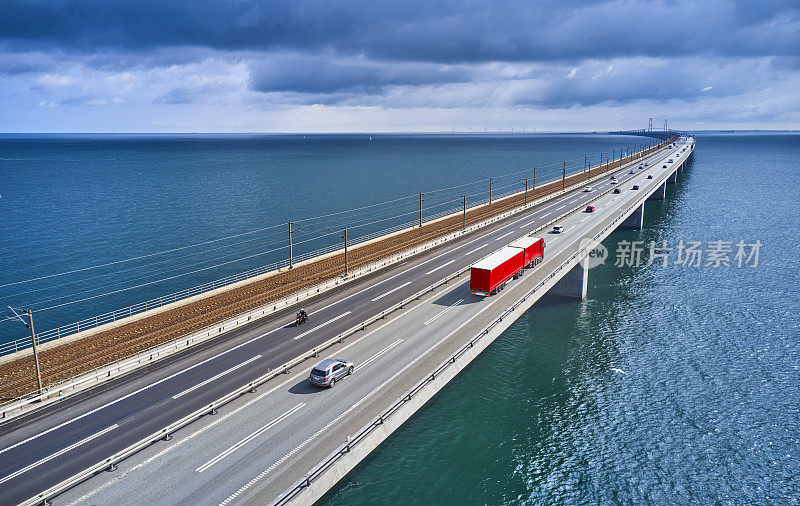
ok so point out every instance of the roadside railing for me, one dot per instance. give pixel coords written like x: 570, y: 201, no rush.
x: 211, y: 408
x: 45, y: 336
x: 381, y: 418
x: 106, y: 372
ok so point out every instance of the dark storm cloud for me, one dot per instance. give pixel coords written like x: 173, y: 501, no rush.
x: 316, y: 75
x: 443, y: 31
x: 417, y: 53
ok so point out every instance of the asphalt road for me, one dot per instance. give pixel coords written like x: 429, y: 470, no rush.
x: 41, y: 450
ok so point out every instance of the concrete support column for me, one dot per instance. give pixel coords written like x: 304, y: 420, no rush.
x: 573, y: 284
x: 636, y: 220
x: 660, y: 193
x: 673, y: 178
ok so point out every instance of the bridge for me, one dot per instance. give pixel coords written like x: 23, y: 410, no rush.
x: 232, y: 420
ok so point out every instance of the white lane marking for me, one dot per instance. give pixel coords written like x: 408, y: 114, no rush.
x: 528, y: 224
x: 391, y: 291
x: 299, y: 447
x: 218, y: 420
x: 57, y: 454
x: 370, y: 287
x: 448, y: 308
x: 440, y: 267
x: 147, y: 387
x: 377, y: 355
x: 468, y: 253
x: 582, y: 220
x: 144, y: 388
x: 307, y: 332
x: 504, y: 235
x: 249, y: 438
x: 209, y: 380
x: 447, y: 252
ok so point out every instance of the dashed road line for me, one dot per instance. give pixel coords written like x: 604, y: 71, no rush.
x: 448, y: 308
x: 378, y: 355
x: 307, y: 332
x: 249, y: 438
x: 391, y: 291
x: 209, y: 380
x: 57, y: 454
x: 468, y: 253
x: 440, y: 267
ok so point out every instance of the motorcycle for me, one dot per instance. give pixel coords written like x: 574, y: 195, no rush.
x: 301, y: 318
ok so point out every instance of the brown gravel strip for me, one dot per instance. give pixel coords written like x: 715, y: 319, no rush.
x: 70, y: 359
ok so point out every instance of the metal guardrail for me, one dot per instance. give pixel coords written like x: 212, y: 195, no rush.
x: 84, y: 379
x: 379, y: 420
x: 135, y: 309
x: 211, y: 408
x: 110, y: 317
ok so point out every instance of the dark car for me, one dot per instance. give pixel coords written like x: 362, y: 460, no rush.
x: 616, y: 190
x: 589, y: 209
x: 635, y: 187
x: 649, y: 176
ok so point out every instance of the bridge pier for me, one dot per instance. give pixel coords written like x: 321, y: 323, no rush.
x: 574, y: 283
x: 660, y: 193
x: 636, y: 220
x: 673, y: 178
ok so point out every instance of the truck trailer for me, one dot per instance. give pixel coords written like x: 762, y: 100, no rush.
x: 491, y: 273
x: 533, y: 248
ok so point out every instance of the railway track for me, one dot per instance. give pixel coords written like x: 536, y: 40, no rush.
x: 73, y: 358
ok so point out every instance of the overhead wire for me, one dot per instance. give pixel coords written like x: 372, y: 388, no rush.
x: 301, y: 233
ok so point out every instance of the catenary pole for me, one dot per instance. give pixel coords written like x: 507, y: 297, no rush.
x: 35, y: 352
x: 464, y: 214
x: 291, y: 257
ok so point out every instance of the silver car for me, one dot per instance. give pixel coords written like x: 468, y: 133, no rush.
x: 330, y: 370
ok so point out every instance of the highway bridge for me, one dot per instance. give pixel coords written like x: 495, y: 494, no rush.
x: 236, y: 420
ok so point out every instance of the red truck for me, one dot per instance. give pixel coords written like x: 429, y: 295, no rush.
x: 533, y: 248
x: 489, y: 274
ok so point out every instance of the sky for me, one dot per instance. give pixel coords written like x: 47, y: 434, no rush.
x: 414, y: 65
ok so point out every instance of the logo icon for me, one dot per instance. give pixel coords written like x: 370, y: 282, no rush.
x: 595, y: 253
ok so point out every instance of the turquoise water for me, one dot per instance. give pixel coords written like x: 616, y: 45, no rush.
x: 708, y: 408
x: 706, y: 411
x: 71, y: 202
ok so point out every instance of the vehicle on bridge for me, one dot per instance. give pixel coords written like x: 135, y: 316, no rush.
x: 633, y: 171
x: 490, y: 275
x: 635, y: 187
x: 327, y: 372
x: 587, y: 189
x: 558, y: 229
x: 614, y: 180
x: 616, y: 190
x: 533, y: 248
x: 589, y: 209
x: 650, y: 176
